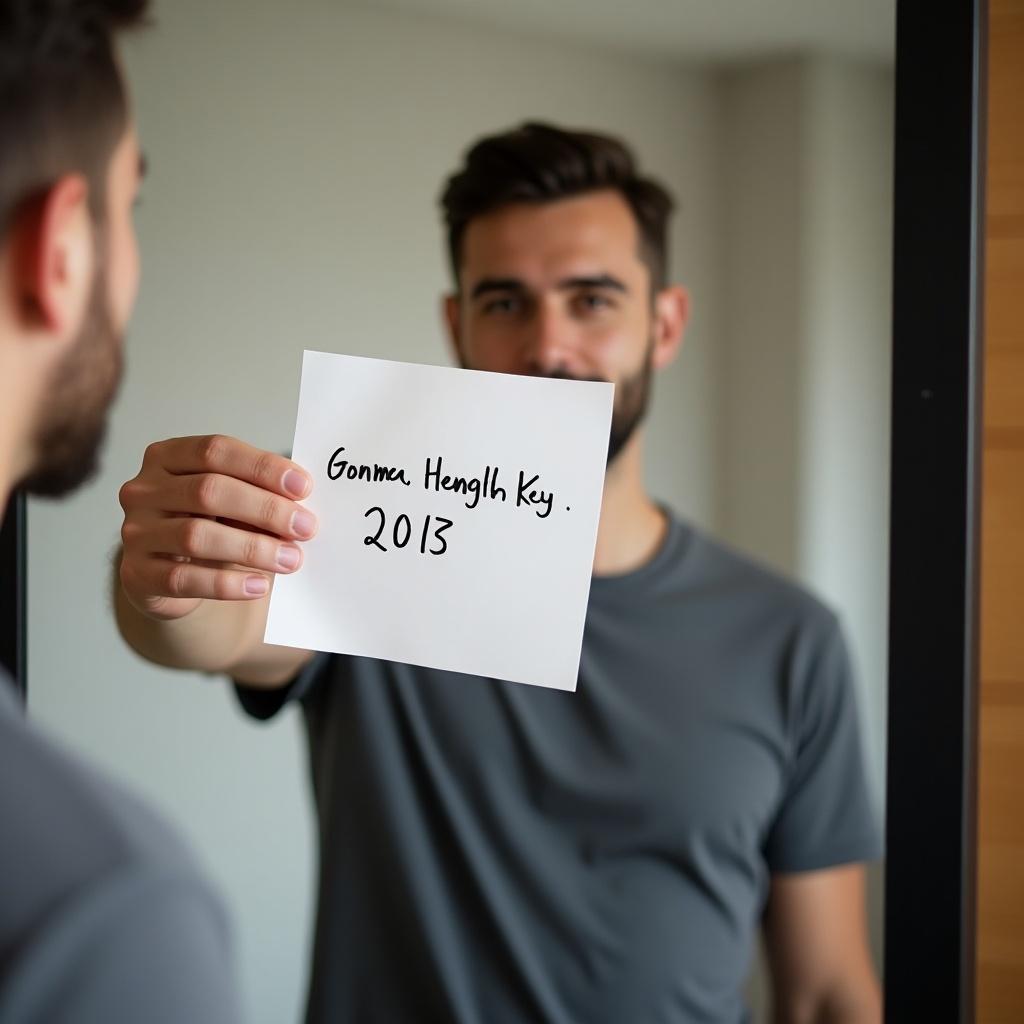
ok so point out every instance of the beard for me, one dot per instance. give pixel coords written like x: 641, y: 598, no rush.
x: 632, y: 397
x: 631, y: 400
x: 72, y: 425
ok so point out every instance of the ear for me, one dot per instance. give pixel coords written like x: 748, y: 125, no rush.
x: 671, y: 314
x: 452, y: 315
x: 54, y: 258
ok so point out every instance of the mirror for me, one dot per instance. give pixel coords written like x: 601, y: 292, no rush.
x: 296, y: 154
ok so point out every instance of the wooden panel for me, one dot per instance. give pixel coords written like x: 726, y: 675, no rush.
x: 1004, y: 184
x: 1002, y: 566
x: 1004, y: 389
x: 1000, y: 944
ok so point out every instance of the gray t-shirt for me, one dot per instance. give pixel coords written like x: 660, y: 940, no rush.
x: 494, y: 853
x: 104, y: 917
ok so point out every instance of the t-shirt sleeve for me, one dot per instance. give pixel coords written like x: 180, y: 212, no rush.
x: 263, y: 703
x: 149, y: 944
x: 825, y: 817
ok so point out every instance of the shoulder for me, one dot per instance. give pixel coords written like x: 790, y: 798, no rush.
x: 721, y: 576
x: 68, y: 828
x: 145, y: 941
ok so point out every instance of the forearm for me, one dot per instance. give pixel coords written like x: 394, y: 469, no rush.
x: 215, y: 637
x: 856, y: 1005
x: 852, y: 1004
x: 817, y: 943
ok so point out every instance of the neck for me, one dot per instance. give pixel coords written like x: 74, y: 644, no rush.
x: 8, y: 470
x: 15, y: 413
x: 632, y: 527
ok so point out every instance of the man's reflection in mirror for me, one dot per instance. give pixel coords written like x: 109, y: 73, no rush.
x: 505, y: 853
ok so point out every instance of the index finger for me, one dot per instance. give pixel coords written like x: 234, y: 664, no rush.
x: 218, y: 453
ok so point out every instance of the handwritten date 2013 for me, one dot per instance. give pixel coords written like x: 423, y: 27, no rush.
x: 401, y: 532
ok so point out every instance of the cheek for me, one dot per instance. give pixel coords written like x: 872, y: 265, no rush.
x: 486, y: 346
x: 633, y: 339
x: 123, y: 272
x: 616, y: 344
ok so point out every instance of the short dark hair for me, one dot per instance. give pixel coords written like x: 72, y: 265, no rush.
x: 540, y: 163
x: 63, y: 107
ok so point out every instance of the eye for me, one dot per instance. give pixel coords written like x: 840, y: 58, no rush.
x: 593, y: 302
x: 504, y: 305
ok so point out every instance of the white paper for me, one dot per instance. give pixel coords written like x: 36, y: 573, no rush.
x: 502, y: 591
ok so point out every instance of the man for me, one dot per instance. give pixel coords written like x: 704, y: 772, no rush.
x: 498, y: 853
x: 103, y: 915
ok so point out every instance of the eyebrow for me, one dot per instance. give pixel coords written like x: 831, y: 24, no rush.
x: 513, y: 284
x: 593, y: 281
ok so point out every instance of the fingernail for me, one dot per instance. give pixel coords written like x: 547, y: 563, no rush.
x: 256, y: 586
x: 296, y: 483
x: 303, y: 523
x: 288, y: 557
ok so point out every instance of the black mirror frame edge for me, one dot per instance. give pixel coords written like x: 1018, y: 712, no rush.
x: 13, y: 593
x: 938, y: 249
x: 936, y: 417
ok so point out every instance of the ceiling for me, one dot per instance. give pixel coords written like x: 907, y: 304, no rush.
x: 697, y: 30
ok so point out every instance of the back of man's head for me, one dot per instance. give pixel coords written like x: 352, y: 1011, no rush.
x: 62, y: 101
x: 64, y: 216
x: 540, y: 163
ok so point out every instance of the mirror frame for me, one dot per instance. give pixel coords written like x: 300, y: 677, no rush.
x: 14, y: 592
x: 933, y: 613
x: 938, y: 246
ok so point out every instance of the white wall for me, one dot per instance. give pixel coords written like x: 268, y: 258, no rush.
x: 803, y: 343
x: 804, y: 347
x: 846, y: 351
x: 296, y: 152
x: 757, y: 347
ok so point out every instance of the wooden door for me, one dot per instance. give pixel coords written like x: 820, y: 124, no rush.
x: 1000, y: 908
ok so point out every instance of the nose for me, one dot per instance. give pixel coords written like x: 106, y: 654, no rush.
x: 548, y: 343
